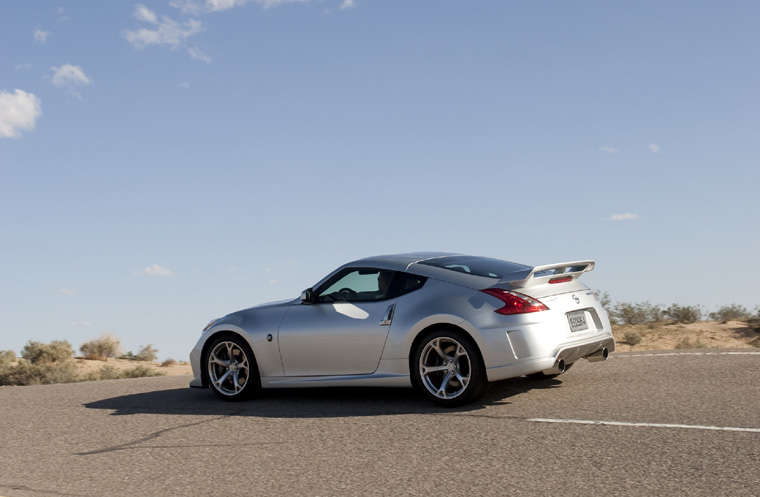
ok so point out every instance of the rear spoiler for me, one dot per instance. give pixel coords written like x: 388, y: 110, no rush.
x: 553, y: 273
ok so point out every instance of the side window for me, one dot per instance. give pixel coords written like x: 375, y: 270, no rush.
x: 357, y: 285
x: 411, y: 283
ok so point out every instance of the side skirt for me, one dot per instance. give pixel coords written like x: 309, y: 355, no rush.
x: 365, y: 380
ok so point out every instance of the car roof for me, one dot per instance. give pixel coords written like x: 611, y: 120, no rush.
x: 410, y: 262
x: 398, y: 262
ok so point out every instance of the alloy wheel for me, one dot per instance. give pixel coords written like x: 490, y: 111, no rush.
x: 445, y: 368
x: 228, y: 368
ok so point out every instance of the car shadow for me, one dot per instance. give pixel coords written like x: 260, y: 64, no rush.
x: 310, y: 403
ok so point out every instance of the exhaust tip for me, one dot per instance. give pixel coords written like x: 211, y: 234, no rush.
x: 558, y: 368
x: 600, y: 355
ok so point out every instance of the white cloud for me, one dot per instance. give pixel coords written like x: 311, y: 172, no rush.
x: 23, y: 67
x: 143, y: 13
x: 79, y: 323
x: 18, y: 111
x: 197, y: 54
x: 654, y: 148
x: 609, y: 150
x: 347, y: 4
x: 155, y: 270
x: 62, y: 12
x: 165, y: 30
x: 206, y: 6
x: 69, y: 292
x: 184, y: 85
x: 70, y: 76
x: 41, y: 36
x: 623, y: 217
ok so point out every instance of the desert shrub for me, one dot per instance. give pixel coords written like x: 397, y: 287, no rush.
x: 167, y: 363
x: 7, y: 357
x: 109, y: 372
x: 656, y: 313
x: 686, y: 343
x: 146, y: 353
x: 28, y: 373
x: 754, y: 323
x: 57, y: 351
x: 628, y: 313
x: 101, y: 348
x: 684, y: 314
x: 731, y: 312
x: 632, y: 338
x: 41, y: 364
x: 106, y: 372
x: 604, y: 299
x: 141, y: 372
x: 636, y: 313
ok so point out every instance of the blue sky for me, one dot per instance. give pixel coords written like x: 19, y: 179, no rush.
x: 164, y: 163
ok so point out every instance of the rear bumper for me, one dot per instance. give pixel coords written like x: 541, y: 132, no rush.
x: 570, y: 353
x: 573, y: 353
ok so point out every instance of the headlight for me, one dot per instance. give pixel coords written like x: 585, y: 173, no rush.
x: 210, y: 324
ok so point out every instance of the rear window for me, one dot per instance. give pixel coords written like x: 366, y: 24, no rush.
x: 477, y: 266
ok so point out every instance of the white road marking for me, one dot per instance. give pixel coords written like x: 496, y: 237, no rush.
x: 670, y: 354
x: 643, y: 425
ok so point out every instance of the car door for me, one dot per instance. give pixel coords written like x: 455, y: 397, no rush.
x: 342, y: 331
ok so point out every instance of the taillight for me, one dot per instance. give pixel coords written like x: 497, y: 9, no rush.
x: 515, y: 303
x: 561, y: 279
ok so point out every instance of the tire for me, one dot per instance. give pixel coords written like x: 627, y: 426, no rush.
x: 447, y: 368
x: 231, y: 367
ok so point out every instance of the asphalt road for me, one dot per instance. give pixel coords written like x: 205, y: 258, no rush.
x: 638, y: 424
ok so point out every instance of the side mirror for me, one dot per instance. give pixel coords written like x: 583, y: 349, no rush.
x: 307, y: 296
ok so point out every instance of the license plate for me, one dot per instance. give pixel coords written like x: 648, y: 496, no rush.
x: 577, y: 321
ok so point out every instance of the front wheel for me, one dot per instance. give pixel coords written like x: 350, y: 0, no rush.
x: 232, y: 370
x: 447, y: 368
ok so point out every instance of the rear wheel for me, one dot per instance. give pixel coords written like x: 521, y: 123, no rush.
x: 447, y: 368
x: 232, y: 370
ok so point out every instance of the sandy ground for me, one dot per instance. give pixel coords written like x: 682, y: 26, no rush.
x: 174, y: 369
x: 704, y: 334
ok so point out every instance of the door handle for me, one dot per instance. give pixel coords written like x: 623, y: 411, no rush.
x: 388, y: 317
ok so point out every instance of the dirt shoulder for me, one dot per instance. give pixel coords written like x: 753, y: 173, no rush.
x: 169, y: 369
x: 703, y: 334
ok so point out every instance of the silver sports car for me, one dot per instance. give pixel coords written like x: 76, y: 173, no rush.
x: 447, y: 324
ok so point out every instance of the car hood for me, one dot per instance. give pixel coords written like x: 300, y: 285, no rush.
x: 267, y: 305
x: 259, y: 314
